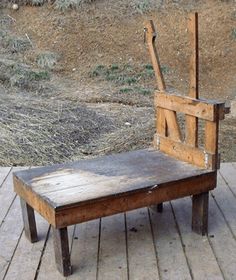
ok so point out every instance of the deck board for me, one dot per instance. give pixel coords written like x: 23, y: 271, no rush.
x: 163, y: 247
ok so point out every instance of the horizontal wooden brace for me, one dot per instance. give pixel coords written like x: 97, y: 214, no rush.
x: 186, y: 153
x: 190, y: 106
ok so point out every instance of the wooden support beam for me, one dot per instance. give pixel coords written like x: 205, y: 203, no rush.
x: 29, y: 221
x: 194, y: 107
x: 186, y: 153
x: 192, y: 122
x: 62, y: 254
x: 170, y: 122
x: 200, y: 213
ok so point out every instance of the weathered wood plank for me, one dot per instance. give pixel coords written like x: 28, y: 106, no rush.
x: 112, y: 254
x: 171, y: 258
x: 222, y: 241
x: 187, y: 105
x: 10, y: 233
x: 227, y: 203
x: 3, y: 174
x: 191, y: 124
x: 185, y: 153
x: 228, y: 172
x: 141, y: 252
x: 6, y: 193
x: 200, y: 256
x: 84, y: 254
x: 27, y: 255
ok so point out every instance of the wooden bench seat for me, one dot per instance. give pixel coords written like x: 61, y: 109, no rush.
x: 106, y: 185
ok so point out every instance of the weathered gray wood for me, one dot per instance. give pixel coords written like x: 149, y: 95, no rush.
x: 27, y: 255
x: 106, y: 176
x: 84, y: 254
x: 200, y: 213
x: 201, y: 259
x: 227, y: 202
x: 141, y: 252
x: 228, y: 172
x: 4, y: 171
x: 112, y: 254
x: 10, y: 233
x: 222, y: 241
x: 62, y: 253
x: 6, y: 193
x: 29, y: 221
x: 170, y: 253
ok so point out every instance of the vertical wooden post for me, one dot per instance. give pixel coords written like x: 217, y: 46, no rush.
x: 62, y: 254
x: 200, y: 213
x: 192, y: 122
x: 29, y: 221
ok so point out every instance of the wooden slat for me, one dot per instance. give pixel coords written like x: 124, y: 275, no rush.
x: 228, y: 171
x: 190, y: 106
x: 225, y: 251
x: 84, y: 254
x: 211, y: 140
x: 171, y: 120
x: 186, y: 153
x: 10, y: 233
x: 3, y: 174
x: 27, y: 255
x: 150, y: 38
x: 112, y: 254
x: 141, y: 253
x: 191, y: 124
x: 171, y: 258
x: 201, y: 259
x: 6, y: 193
x: 173, y: 129
x: 226, y: 202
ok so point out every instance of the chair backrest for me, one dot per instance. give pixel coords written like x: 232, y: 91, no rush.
x: 169, y: 138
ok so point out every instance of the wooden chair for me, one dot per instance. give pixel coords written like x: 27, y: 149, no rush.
x: 175, y: 167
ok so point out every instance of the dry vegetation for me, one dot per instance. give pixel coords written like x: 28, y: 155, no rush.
x: 75, y: 78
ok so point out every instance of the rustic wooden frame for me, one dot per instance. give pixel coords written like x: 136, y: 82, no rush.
x: 168, y: 139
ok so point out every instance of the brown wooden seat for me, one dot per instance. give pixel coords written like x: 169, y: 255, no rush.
x: 175, y: 167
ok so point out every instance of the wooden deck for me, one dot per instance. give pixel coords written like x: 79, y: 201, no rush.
x: 140, y: 244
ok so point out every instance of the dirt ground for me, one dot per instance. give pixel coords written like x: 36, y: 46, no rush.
x: 90, y: 90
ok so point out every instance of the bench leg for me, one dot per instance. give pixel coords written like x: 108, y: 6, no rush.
x: 29, y: 221
x: 160, y: 207
x: 200, y: 213
x: 62, y: 254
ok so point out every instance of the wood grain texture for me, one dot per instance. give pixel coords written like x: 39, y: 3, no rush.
x: 200, y: 213
x: 112, y: 252
x: 185, y: 153
x: 192, y: 122
x: 29, y: 221
x: 141, y: 257
x: 61, y: 249
x: 172, y: 261
x: 201, y: 258
x: 191, y: 106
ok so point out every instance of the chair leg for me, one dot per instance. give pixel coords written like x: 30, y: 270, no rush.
x: 29, y: 221
x: 62, y: 254
x: 200, y: 213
